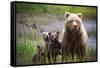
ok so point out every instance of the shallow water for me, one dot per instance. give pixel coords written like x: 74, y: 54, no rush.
x: 90, y: 26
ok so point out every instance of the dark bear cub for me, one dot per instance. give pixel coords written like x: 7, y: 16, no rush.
x: 39, y: 55
x: 52, y: 45
x: 54, y: 48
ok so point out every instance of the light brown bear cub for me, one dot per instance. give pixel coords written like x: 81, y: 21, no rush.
x: 74, y: 36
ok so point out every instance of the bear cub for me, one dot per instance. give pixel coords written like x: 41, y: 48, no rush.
x: 53, y: 46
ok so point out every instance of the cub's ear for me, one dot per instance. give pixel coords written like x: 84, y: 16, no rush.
x: 49, y: 33
x: 80, y: 15
x: 66, y: 15
x: 57, y: 33
x: 38, y: 46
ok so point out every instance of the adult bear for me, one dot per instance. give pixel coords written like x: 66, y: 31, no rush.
x: 74, y: 36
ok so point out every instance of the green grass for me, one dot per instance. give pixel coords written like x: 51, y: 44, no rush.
x: 89, y: 12
x: 26, y: 49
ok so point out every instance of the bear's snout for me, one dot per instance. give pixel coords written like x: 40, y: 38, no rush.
x: 74, y: 24
x: 76, y: 28
x: 55, y: 39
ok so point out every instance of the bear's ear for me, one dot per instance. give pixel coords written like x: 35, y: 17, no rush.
x: 66, y: 15
x: 80, y: 15
x: 57, y: 33
x: 49, y: 33
x: 38, y: 46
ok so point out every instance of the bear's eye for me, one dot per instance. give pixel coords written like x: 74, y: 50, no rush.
x: 71, y: 21
x: 77, y: 21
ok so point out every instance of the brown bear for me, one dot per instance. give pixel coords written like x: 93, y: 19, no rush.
x: 74, y: 38
x: 36, y: 59
x: 52, y: 45
x: 46, y: 38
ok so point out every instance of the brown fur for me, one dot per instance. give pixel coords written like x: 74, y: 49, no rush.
x: 39, y: 55
x: 74, y: 36
x: 52, y: 45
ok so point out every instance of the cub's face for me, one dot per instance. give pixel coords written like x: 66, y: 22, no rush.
x: 51, y: 36
x: 72, y: 21
x: 46, y: 37
x: 54, y: 36
x: 53, y: 42
x: 41, y: 50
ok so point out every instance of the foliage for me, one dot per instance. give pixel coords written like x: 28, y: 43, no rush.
x: 26, y: 48
x: 55, y: 9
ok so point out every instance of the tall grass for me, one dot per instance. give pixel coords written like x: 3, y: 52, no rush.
x: 26, y: 47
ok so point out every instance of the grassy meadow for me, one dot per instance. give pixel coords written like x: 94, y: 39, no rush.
x: 45, y: 17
